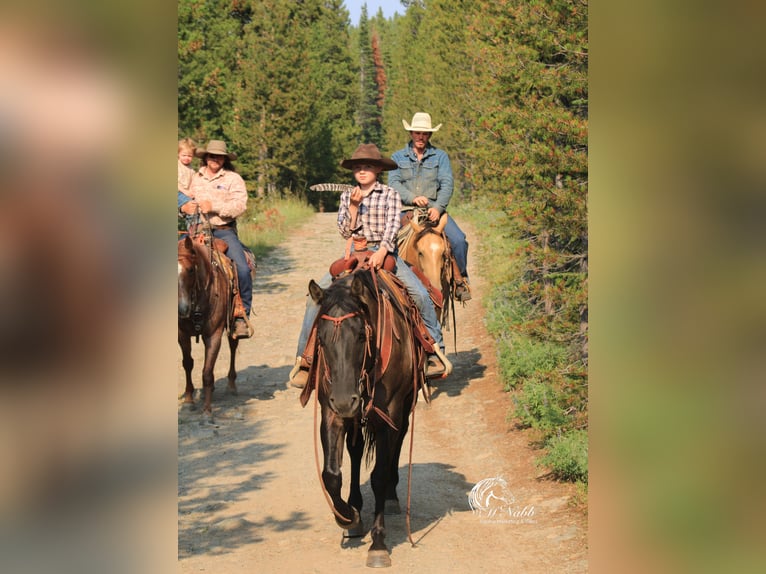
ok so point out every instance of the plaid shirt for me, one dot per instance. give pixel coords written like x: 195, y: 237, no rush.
x: 377, y: 218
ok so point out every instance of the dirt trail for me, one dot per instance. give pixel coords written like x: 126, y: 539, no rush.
x: 248, y: 494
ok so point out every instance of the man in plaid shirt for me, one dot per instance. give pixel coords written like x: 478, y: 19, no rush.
x: 370, y: 217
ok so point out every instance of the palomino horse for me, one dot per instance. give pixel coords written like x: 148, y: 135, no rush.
x: 204, y: 299
x: 426, y: 248
x: 367, y: 369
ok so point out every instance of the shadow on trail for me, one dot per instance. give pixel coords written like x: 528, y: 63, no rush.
x: 253, y: 382
x: 466, y: 368
x: 210, y: 487
x: 263, y: 380
x: 203, y: 500
x: 437, y: 492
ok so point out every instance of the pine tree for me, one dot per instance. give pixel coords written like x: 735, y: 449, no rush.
x: 209, y: 43
x: 368, y: 114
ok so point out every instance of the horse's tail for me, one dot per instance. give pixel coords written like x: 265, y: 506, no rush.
x: 368, y: 434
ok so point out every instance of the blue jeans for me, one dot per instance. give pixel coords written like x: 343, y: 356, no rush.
x: 459, y: 245
x: 414, y: 287
x: 237, y: 254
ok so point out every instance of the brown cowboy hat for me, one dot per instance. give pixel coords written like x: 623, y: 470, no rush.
x: 370, y: 154
x: 215, y: 147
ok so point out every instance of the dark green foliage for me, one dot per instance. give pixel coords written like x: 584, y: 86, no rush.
x: 368, y: 113
x: 539, y: 405
x: 522, y: 357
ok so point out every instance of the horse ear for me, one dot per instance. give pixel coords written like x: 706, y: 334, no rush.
x: 442, y: 223
x: 357, y: 287
x: 315, y: 291
x: 188, y: 243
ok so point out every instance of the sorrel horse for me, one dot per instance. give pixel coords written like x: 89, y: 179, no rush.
x: 367, y: 369
x: 426, y: 248
x: 204, y: 299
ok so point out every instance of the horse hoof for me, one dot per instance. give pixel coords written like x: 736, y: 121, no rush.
x: 378, y: 559
x: 354, y: 524
x: 392, y: 507
x: 207, y: 418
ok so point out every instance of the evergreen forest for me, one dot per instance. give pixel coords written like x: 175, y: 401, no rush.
x: 293, y: 86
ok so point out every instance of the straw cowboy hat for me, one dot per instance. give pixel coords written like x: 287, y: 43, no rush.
x: 421, y: 122
x: 370, y: 154
x: 215, y: 147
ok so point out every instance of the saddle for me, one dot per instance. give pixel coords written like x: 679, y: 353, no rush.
x: 358, y: 259
x: 219, y: 247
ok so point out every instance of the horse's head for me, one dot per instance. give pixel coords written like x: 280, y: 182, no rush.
x: 187, y: 258
x: 345, y: 337
x: 430, y: 247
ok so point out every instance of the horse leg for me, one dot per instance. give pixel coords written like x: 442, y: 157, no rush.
x: 232, y: 387
x: 212, y: 346
x: 184, y: 342
x: 385, y: 442
x: 355, y: 446
x: 332, y: 434
x: 392, y: 505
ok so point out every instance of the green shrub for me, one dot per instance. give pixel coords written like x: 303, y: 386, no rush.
x: 520, y: 358
x: 567, y: 456
x: 539, y: 406
x: 267, y: 221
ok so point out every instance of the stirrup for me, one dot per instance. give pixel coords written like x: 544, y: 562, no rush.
x: 462, y: 291
x: 242, y: 328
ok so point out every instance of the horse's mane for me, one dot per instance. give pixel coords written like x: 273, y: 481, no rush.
x: 427, y: 230
x: 200, y: 252
x: 338, y: 294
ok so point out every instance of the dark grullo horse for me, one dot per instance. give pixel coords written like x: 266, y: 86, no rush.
x: 204, y: 298
x: 367, y: 368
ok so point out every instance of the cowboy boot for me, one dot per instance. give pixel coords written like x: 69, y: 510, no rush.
x: 462, y: 290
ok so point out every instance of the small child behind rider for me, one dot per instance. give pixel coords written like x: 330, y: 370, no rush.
x: 186, y: 149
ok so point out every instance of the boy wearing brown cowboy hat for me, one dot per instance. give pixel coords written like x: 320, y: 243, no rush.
x: 370, y: 216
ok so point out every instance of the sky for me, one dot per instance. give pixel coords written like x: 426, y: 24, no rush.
x: 389, y: 8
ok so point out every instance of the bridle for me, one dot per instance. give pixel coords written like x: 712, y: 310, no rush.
x: 365, y: 381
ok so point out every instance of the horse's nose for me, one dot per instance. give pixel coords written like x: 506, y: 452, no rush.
x: 346, y: 406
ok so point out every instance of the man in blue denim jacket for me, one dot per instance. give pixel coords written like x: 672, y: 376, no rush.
x: 424, y: 179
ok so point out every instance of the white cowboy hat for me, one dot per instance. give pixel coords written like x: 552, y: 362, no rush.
x: 421, y: 122
x: 215, y: 147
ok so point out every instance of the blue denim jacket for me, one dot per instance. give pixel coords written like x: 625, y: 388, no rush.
x: 431, y: 177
